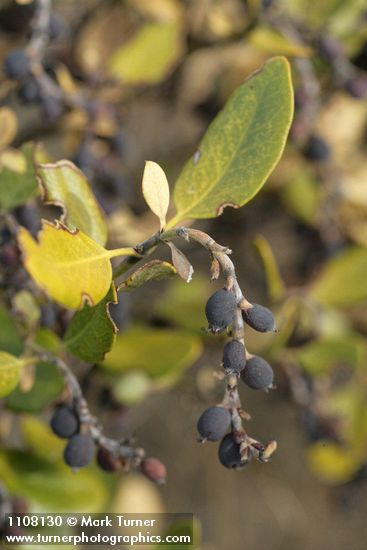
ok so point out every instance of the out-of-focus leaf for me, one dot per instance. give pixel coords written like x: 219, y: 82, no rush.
x: 92, y: 332
x: 302, y: 197
x: 342, y: 282
x: 8, y: 126
x: 47, y: 339
x: 48, y: 384
x: 183, y: 304
x: 17, y: 176
x: 27, y: 308
x: 99, y: 36
x: 10, y: 340
x: 132, y: 387
x: 10, y: 369
x: 138, y: 495
x: 320, y: 356
x: 149, y: 55
x: 70, y: 266
x: 332, y: 463
x: 154, y: 270
x: 184, y: 527
x: 274, y: 43
x: 52, y: 487
x: 160, y: 10
x: 181, y: 263
x: 162, y: 354
x: 64, y: 185
x: 275, y: 282
x: 156, y: 190
x: 40, y: 439
x: 241, y: 147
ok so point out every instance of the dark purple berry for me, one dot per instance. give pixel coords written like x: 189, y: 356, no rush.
x: 79, y: 451
x: 220, y: 309
x: 257, y: 374
x: 16, y: 64
x: 107, y: 461
x: 52, y: 108
x: 234, y: 359
x: 213, y: 423
x: 29, y: 92
x: 259, y: 318
x: 317, y: 149
x: 229, y: 453
x: 154, y: 470
x: 64, y: 422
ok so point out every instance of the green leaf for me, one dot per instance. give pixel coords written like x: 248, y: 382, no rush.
x: 92, y: 332
x: 156, y: 190
x: 320, y: 356
x: 64, y: 185
x: 275, y: 282
x: 302, y: 197
x: 17, y: 176
x: 241, y: 147
x: 184, y: 527
x: 10, y: 340
x: 39, y: 439
x: 10, y: 369
x: 154, y: 270
x: 342, y: 282
x: 48, y: 384
x: 149, y: 55
x: 52, y: 487
x: 162, y: 354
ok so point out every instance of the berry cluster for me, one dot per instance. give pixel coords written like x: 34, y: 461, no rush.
x: 223, y: 310
x: 82, y: 446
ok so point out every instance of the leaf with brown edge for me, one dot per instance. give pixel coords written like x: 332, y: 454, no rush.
x: 181, y: 263
x: 241, y: 147
x: 151, y: 271
x: 92, y: 331
x: 10, y: 369
x: 69, y: 265
x: 64, y: 185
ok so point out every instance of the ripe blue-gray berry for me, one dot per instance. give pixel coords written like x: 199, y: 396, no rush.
x: 259, y: 318
x: 16, y: 64
x: 219, y: 310
x: 79, y: 451
x: 229, y: 453
x: 234, y: 359
x: 64, y: 422
x: 213, y: 423
x: 257, y: 374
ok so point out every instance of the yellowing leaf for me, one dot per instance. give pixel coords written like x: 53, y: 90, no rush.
x: 8, y: 126
x: 241, y: 147
x: 333, y: 463
x: 271, y: 41
x: 63, y: 184
x: 69, y: 266
x: 10, y: 368
x: 275, y: 282
x: 149, y: 55
x: 156, y: 190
